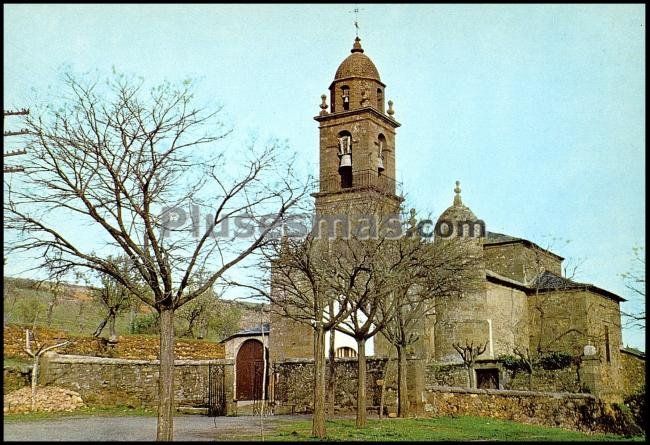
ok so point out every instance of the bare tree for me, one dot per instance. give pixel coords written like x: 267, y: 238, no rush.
x: 299, y: 275
x: 469, y: 353
x: 635, y: 283
x: 35, y: 353
x: 435, y: 272
x: 113, y: 296
x: 126, y: 162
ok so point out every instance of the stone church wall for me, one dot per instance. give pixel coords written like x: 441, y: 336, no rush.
x: 632, y: 373
x: 519, y: 262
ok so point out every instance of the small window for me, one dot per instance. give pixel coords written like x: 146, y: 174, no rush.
x: 380, y: 100
x: 607, y: 352
x: 345, y: 352
x: 345, y: 92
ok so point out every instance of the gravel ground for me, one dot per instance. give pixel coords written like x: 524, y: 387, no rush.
x: 97, y: 428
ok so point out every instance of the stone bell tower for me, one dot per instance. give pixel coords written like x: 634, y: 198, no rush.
x: 357, y: 141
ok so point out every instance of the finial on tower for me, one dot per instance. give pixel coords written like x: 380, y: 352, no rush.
x: 356, y: 48
x: 323, y: 105
x: 457, y: 200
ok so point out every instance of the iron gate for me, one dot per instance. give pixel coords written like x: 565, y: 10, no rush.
x: 216, y: 393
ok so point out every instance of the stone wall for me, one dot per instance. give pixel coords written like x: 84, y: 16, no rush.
x: 446, y: 375
x: 293, y: 384
x: 632, y: 373
x: 519, y: 261
x: 557, y: 380
x: 581, y: 412
x: 133, y: 379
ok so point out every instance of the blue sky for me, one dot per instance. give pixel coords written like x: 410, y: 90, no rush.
x: 539, y: 110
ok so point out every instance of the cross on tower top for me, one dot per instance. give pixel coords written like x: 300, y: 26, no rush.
x: 356, y: 20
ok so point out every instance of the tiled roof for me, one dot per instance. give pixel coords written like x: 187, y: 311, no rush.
x: 634, y: 351
x: 500, y: 238
x: 548, y: 281
x: 493, y: 237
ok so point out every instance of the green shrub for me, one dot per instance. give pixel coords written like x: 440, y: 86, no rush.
x: 512, y: 363
x: 636, y: 404
x: 146, y: 324
x: 555, y: 360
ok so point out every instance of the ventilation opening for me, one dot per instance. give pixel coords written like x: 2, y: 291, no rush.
x: 345, y: 90
x: 345, y: 159
x: 381, y: 142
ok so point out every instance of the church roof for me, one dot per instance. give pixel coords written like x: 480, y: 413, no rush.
x: 634, y: 351
x: 357, y: 64
x: 493, y: 238
x: 548, y: 281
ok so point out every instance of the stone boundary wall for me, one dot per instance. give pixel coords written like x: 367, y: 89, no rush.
x: 576, y: 411
x: 134, y: 382
x: 293, y: 384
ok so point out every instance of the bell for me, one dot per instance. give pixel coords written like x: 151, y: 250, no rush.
x: 380, y: 164
x: 346, y: 161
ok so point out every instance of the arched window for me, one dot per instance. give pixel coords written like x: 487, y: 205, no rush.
x: 345, y: 93
x: 381, y: 142
x: 380, y: 100
x: 345, y: 158
x: 345, y: 351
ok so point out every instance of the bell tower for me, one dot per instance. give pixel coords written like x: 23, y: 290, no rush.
x: 357, y: 140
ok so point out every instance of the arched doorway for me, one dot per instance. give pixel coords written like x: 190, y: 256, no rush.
x: 250, y: 370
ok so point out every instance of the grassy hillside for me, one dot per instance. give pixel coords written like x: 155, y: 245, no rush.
x: 74, y: 310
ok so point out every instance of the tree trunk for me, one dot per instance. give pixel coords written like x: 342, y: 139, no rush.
x: 132, y: 315
x: 402, y: 388
x: 165, y: 430
x: 361, y: 384
x: 470, y: 373
x: 100, y: 328
x: 331, y: 382
x: 34, y: 381
x: 111, y: 326
x: 318, y: 425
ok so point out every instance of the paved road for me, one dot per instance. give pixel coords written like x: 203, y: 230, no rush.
x: 97, y: 428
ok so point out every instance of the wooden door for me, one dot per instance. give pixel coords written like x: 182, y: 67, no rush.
x: 250, y: 370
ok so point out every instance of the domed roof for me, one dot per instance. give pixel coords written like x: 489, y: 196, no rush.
x: 458, y: 211
x: 357, y: 64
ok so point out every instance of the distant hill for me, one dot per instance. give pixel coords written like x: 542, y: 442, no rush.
x: 77, y: 312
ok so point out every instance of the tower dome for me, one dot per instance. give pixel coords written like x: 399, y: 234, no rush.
x: 357, y: 64
x: 457, y: 218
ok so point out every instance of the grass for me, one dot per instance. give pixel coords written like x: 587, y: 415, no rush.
x: 442, y: 429
x: 83, y: 412
x: 16, y: 362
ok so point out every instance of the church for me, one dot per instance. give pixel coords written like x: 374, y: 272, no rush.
x: 525, y: 305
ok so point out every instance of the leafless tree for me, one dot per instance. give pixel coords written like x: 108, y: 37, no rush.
x: 635, y: 283
x: 125, y: 163
x: 469, y: 353
x: 113, y: 296
x: 298, y: 281
x: 434, y: 272
x: 35, y: 351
